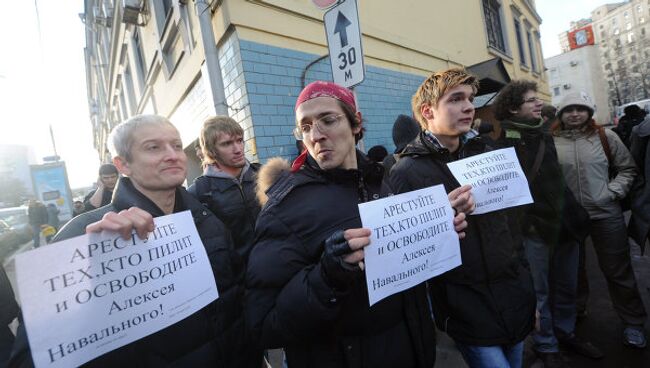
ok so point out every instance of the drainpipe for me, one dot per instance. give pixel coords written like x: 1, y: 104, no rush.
x: 211, y: 57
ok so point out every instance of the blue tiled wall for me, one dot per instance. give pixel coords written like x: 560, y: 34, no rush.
x: 273, y: 81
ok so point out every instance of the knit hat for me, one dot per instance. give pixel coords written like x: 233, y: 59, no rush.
x: 577, y: 99
x: 405, y: 129
x: 326, y: 89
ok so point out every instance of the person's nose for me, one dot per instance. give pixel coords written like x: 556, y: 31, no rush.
x: 315, y: 134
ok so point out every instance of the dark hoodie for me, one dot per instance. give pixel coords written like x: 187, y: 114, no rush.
x: 639, y: 227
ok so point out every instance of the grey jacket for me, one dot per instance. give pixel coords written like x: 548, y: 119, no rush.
x: 586, y: 170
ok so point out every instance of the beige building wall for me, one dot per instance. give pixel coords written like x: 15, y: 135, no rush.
x: 159, y: 65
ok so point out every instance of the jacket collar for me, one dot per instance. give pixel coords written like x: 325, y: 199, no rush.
x: 366, y: 169
x: 126, y: 196
x: 215, y: 172
x: 427, y: 143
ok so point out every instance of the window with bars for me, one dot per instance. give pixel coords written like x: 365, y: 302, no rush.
x: 492, y: 12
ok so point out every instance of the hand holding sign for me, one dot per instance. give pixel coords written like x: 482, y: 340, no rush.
x: 124, y: 223
x: 496, y: 178
x: 88, y: 295
x: 413, y: 239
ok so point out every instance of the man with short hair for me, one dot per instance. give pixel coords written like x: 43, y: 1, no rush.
x: 106, y: 182
x: 306, y: 290
x: 551, y: 227
x: 227, y: 186
x: 487, y: 304
x: 148, y: 151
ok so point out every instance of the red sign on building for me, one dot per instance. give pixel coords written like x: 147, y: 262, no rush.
x: 581, y: 37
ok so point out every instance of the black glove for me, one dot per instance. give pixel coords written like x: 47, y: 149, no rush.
x: 337, y: 273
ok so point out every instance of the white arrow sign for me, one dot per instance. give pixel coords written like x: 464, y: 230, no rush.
x: 344, y: 42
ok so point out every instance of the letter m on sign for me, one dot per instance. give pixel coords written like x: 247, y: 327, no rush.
x: 348, y: 74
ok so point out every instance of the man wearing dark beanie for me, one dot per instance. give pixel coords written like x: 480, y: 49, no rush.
x: 106, y: 182
x: 405, y: 129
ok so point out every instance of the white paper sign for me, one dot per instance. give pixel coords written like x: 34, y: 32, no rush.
x: 413, y: 239
x: 91, y: 294
x: 496, y: 178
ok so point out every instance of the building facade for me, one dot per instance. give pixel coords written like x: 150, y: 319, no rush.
x: 622, y: 34
x: 579, y: 70
x: 249, y: 59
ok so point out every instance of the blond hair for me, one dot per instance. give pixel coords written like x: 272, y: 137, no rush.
x: 435, y: 86
x: 212, y: 128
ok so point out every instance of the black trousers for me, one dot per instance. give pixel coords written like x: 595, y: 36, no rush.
x: 609, y: 237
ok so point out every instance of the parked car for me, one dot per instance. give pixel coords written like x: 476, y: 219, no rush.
x: 9, y: 239
x: 18, y: 219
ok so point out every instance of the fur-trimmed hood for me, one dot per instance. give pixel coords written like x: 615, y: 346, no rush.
x: 269, y: 174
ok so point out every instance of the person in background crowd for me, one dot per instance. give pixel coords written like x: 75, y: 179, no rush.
x: 8, y: 312
x: 639, y: 227
x: 306, y: 289
x: 487, y: 305
x: 405, y: 129
x: 377, y: 153
x: 148, y: 151
x: 548, y: 117
x: 78, y: 208
x: 551, y: 227
x: 106, y: 182
x: 633, y: 116
x: 228, y: 184
x: 52, y: 219
x: 37, y: 214
x: 600, y: 171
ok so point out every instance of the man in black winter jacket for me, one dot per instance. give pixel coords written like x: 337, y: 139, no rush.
x: 306, y: 288
x: 147, y: 150
x: 487, y: 305
x: 551, y: 226
x: 227, y: 186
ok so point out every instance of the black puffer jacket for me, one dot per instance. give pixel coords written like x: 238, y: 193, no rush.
x: 639, y: 228
x: 556, y: 215
x: 289, y: 303
x: 489, y: 299
x: 233, y: 202
x: 213, y: 336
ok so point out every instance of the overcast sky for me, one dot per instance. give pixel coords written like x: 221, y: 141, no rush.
x: 556, y: 17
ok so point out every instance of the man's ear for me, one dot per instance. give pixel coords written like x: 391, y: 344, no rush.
x: 122, y: 165
x: 358, y: 126
x: 513, y: 112
x: 427, y: 111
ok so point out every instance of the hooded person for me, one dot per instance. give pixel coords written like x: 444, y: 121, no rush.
x: 405, y: 129
x: 633, y: 116
x: 600, y: 171
x: 306, y: 288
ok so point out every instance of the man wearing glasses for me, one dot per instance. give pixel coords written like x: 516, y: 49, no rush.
x: 306, y: 287
x: 551, y: 227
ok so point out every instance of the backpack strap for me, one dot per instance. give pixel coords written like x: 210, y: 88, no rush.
x: 608, y: 151
x: 539, y: 157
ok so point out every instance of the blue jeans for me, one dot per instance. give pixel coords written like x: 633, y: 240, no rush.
x: 500, y: 356
x: 555, y: 277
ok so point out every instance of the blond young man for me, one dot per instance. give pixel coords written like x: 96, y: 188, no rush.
x: 487, y: 304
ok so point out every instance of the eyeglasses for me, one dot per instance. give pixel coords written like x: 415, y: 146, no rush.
x: 324, y: 125
x: 532, y: 99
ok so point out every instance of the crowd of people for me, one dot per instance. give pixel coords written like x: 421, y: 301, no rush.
x: 286, y: 243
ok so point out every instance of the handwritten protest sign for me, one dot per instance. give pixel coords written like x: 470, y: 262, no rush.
x: 88, y: 295
x: 496, y: 178
x: 413, y: 239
